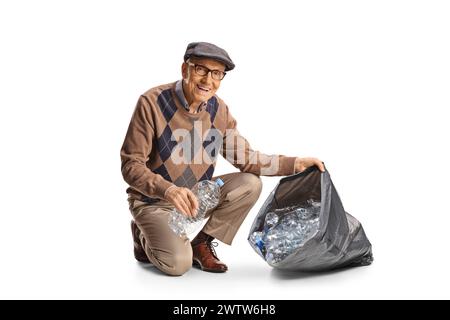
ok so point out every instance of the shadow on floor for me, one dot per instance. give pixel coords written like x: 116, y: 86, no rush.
x: 252, y: 271
x: 150, y: 268
x: 154, y: 270
x: 290, y: 275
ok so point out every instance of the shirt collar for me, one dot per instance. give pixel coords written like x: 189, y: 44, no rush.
x: 181, y: 97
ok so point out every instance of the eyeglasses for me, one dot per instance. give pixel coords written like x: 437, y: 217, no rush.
x: 203, y: 71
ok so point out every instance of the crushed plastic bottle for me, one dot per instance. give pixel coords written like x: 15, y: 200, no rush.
x: 271, y: 220
x: 257, y: 239
x: 287, y: 229
x: 207, y: 193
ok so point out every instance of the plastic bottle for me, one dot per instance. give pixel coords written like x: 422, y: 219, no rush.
x: 207, y: 193
x: 280, y: 236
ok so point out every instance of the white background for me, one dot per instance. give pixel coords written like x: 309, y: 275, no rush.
x: 363, y: 85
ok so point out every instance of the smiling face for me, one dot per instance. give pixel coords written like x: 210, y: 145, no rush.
x: 197, y: 88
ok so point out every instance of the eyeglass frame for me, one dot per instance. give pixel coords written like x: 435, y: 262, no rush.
x: 195, y: 65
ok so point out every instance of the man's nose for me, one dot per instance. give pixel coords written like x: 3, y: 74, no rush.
x: 207, y: 78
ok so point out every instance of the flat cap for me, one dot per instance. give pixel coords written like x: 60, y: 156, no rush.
x: 208, y: 50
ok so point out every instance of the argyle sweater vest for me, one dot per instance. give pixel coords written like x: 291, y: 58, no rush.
x: 166, y: 145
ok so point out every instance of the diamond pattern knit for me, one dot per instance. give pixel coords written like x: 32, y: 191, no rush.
x: 166, y: 145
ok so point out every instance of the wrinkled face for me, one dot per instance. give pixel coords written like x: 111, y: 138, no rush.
x: 199, y: 88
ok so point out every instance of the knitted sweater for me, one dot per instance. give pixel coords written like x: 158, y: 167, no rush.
x: 166, y: 145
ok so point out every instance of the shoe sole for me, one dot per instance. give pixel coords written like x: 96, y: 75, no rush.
x: 137, y: 255
x: 196, y: 263
x: 142, y: 260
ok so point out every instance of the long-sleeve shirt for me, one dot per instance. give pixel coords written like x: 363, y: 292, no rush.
x: 166, y: 145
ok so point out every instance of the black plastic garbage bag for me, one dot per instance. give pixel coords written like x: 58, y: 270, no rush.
x: 338, y: 239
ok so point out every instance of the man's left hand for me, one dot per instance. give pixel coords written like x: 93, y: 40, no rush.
x: 302, y: 163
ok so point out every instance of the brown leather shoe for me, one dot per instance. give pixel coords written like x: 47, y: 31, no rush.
x: 139, y: 252
x: 205, y: 257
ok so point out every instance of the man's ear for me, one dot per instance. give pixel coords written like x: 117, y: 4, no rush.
x: 184, y: 70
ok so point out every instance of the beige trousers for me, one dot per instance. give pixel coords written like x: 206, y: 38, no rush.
x: 173, y: 254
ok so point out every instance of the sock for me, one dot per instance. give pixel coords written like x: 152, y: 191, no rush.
x: 202, y: 237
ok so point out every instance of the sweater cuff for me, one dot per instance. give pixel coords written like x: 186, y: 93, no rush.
x: 287, y: 166
x: 161, y: 187
x: 172, y: 186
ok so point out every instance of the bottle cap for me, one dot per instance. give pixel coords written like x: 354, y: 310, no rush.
x: 220, y: 182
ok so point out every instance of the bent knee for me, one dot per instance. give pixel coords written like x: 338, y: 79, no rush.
x: 177, y: 264
x: 252, y: 183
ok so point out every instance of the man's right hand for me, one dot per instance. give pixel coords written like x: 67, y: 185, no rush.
x: 183, y: 200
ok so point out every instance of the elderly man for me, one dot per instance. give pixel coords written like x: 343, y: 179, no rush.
x: 175, y: 135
